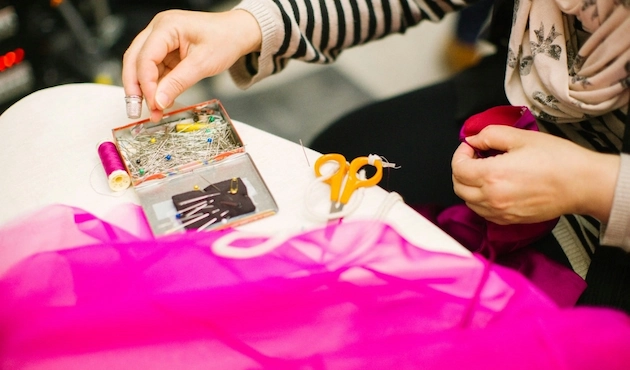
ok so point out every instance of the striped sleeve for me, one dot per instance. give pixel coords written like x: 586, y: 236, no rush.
x: 317, y: 31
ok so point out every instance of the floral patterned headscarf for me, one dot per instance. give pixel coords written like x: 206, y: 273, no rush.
x: 569, y: 59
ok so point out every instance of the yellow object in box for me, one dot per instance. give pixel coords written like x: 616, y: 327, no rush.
x: 192, y: 152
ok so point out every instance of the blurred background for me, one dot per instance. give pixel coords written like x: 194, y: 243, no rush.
x: 45, y: 43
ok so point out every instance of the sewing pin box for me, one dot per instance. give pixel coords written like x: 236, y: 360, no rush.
x: 191, y: 171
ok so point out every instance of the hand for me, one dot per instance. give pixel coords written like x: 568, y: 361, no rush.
x: 538, y: 177
x: 179, y: 48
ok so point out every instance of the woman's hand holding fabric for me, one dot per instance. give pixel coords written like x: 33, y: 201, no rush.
x: 179, y: 48
x: 537, y: 178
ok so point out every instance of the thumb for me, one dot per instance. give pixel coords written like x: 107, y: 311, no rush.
x: 182, y: 77
x: 496, y: 137
x: 463, y: 153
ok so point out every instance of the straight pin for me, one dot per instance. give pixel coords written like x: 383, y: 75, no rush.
x: 203, y: 204
x: 195, y: 210
x: 202, y: 227
x: 185, y: 202
x: 179, y: 227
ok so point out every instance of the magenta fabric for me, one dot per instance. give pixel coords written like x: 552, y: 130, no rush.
x: 351, y: 295
x: 486, y: 237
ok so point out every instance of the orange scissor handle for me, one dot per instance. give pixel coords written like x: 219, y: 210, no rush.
x: 354, y: 182
x: 336, y: 179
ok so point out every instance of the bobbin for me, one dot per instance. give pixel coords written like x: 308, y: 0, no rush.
x: 118, y: 179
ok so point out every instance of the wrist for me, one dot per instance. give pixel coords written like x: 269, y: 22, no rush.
x: 599, y: 181
x: 249, y: 30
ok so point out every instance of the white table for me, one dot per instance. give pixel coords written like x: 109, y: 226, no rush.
x: 48, y: 149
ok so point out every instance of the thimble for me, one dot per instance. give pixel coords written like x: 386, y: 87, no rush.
x: 134, y: 106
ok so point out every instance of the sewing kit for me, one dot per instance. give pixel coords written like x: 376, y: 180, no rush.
x: 190, y: 170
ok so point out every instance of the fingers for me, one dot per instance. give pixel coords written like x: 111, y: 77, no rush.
x: 471, y: 171
x: 466, y: 177
x: 468, y: 193
x: 143, y: 63
x: 185, y: 74
x: 157, y: 45
x: 129, y: 76
x: 463, y: 153
x: 465, y: 166
x: 497, y: 137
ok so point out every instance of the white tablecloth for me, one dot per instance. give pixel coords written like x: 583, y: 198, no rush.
x: 48, y: 148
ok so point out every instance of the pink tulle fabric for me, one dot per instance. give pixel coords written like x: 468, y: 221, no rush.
x: 351, y: 295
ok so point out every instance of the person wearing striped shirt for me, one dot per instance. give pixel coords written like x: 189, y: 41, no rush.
x: 568, y: 61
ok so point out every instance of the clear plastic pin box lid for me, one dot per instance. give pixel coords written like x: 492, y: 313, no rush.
x: 191, y: 171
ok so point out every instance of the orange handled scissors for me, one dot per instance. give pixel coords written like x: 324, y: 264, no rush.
x: 349, y: 173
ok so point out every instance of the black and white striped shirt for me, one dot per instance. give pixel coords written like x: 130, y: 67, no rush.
x: 318, y: 31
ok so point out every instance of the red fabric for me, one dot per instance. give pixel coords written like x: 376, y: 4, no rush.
x: 506, y: 115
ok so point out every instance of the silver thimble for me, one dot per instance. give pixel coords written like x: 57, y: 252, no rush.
x: 134, y: 106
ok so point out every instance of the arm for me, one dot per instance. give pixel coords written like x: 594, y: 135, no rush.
x: 179, y: 48
x: 317, y: 31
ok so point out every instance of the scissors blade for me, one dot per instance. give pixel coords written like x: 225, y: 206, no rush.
x: 336, y: 207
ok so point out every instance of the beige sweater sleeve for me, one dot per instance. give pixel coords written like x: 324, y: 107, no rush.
x: 617, y: 231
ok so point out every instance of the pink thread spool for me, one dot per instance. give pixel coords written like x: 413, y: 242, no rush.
x: 117, y: 175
